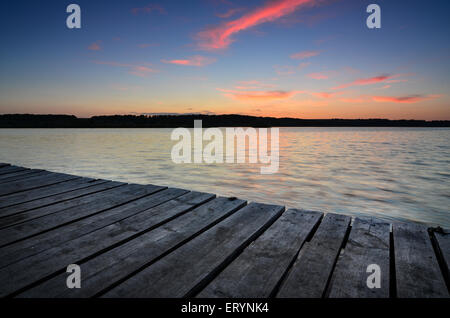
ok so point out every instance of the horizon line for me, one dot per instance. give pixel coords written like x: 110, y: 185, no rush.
x: 149, y: 115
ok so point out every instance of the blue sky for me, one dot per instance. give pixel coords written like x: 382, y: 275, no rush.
x: 298, y: 58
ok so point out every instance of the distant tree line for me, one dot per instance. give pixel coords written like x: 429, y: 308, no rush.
x: 172, y: 121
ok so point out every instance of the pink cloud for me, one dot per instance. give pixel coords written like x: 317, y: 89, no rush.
x: 318, y: 76
x: 325, y: 94
x: 325, y: 39
x: 284, y: 70
x: 368, y: 81
x: 192, y: 61
x: 352, y: 100
x: 404, y: 99
x: 303, y: 65
x: 219, y: 37
x: 246, y: 85
x: 304, y: 55
x: 149, y: 9
x: 137, y: 70
x: 140, y: 70
x: 95, y: 46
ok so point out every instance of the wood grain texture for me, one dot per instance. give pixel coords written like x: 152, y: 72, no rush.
x: 34, y: 182
x: 95, y: 204
x: 416, y: 267
x: 31, y: 210
x: 39, y: 266
x: 109, y: 268
x: 443, y: 241
x: 21, y: 175
x: 199, y: 260
x: 150, y: 241
x: 368, y: 243
x: 256, y: 272
x: 44, y: 241
x: 311, y: 271
x: 25, y: 197
x: 11, y: 169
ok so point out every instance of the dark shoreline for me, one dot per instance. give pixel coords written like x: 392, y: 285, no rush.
x: 173, y: 121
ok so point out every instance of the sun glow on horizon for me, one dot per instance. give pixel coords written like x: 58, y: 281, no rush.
x: 281, y: 58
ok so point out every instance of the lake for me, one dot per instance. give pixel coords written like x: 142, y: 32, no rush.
x: 391, y: 173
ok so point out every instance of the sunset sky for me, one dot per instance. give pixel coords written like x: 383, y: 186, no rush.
x: 295, y: 58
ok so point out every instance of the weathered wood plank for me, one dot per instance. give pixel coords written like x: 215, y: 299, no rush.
x: 99, y: 191
x: 44, y: 241
x: 256, y: 272
x: 311, y: 271
x: 106, y: 269
x: 35, y: 209
x: 11, y: 169
x: 417, y: 270
x: 368, y: 243
x: 33, y: 175
x: 39, y: 266
x: 195, y: 263
x: 36, y: 182
x: 139, y: 243
x: 19, y: 175
x: 35, y: 198
x: 443, y: 241
x: 103, y: 201
x: 40, y: 193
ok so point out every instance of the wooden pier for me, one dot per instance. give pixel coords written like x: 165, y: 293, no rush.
x: 150, y: 241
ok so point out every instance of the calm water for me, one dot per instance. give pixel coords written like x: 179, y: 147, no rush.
x: 392, y: 173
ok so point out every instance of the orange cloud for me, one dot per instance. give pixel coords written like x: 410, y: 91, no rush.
x: 404, y: 99
x: 304, y: 54
x: 246, y: 85
x: 193, y: 61
x: 138, y: 70
x: 259, y: 95
x: 318, y: 76
x: 220, y: 37
x: 352, y: 100
x: 325, y: 94
x: 368, y: 81
x: 95, y: 46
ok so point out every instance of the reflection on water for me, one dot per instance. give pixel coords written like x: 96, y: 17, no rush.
x: 393, y: 173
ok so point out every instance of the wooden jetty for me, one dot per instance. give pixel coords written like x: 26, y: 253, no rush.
x: 150, y: 241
